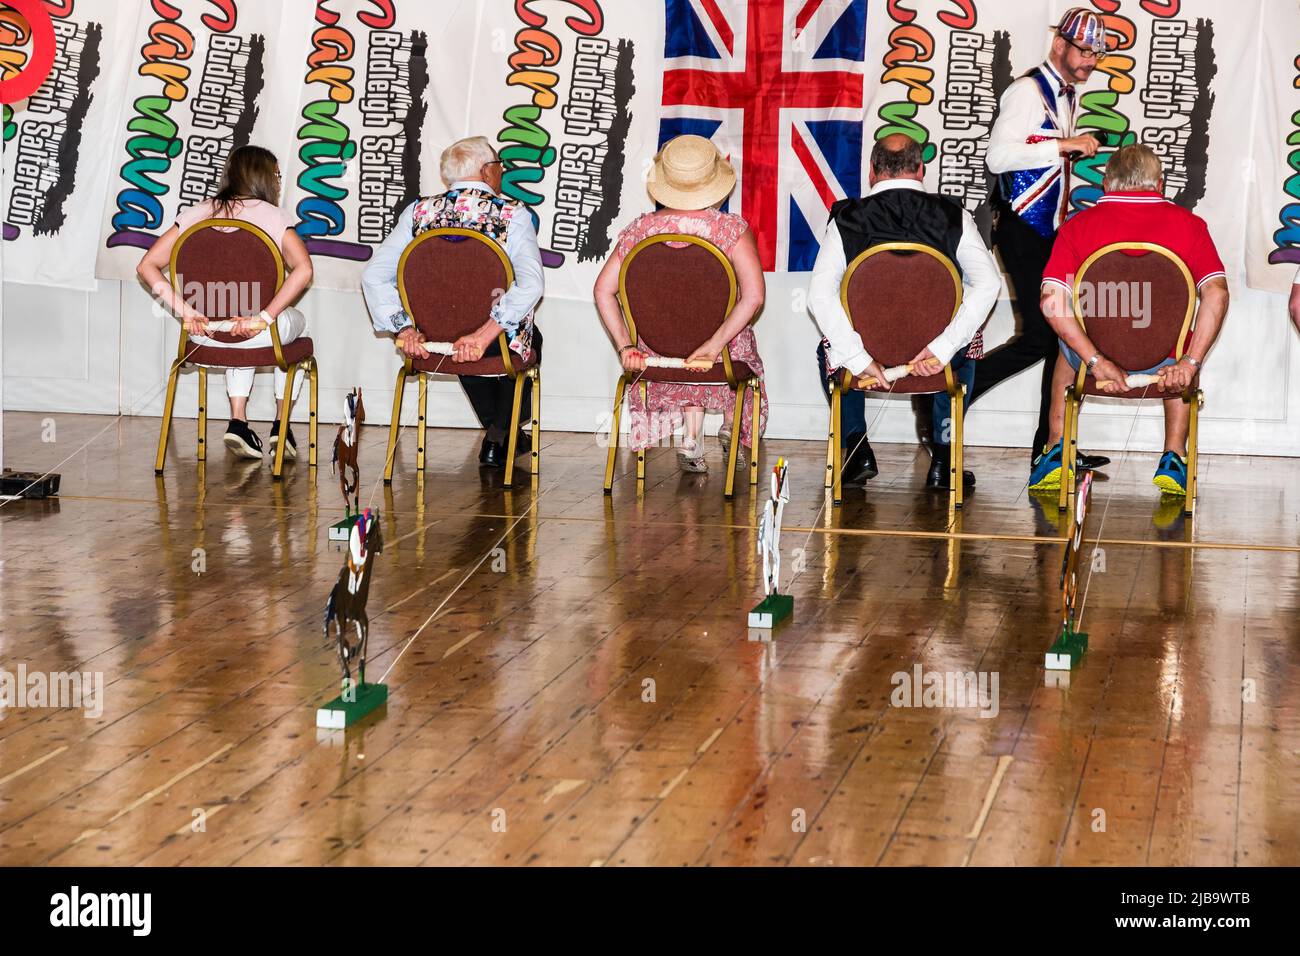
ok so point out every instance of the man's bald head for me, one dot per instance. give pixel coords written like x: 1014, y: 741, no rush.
x: 897, y: 156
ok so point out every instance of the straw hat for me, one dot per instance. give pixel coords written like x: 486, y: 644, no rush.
x: 690, y: 173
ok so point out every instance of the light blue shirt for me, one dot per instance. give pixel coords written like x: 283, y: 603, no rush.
x: 379, y: 281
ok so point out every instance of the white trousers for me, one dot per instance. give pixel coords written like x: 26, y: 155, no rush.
x: 239, y: 381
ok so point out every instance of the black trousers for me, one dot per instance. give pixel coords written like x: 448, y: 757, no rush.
x: 1024, y: 254
x: 493, y: 396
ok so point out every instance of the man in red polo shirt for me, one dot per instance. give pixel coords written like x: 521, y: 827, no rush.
x: 1133, y: 209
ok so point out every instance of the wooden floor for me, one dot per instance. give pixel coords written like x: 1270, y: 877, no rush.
x: 596, y: 698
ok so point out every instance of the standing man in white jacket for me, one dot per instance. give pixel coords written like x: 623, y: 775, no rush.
x: 1032, y: 148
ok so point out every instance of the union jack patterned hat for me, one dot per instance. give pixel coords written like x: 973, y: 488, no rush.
x: 1083, y: 27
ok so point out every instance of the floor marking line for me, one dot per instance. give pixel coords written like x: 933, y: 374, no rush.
x: 673, y: 784
x: 1003, y: 763
x: 459, y: 644
x: 869, y: 532
x: 32, y: 766
x: 712, y: 737
x: 154, y: 792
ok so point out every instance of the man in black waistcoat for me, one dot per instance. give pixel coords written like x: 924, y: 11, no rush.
x: 898, y: 209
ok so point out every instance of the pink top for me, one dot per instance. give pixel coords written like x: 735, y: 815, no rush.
x: 272, y: 220
x: 720, y: 228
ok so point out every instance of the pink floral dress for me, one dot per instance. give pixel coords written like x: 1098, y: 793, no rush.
x: 724, y: 231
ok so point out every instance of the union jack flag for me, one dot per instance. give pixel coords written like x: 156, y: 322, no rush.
x: 778, y: 86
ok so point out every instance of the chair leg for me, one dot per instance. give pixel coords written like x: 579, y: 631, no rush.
x: 613, y: 434
x: 730, y: 487
x: 396, y: 424
x: 756, y: 441
x: 313, y: 428
x: 640, y: 455
x: 421, y: 424
x: 1072, y: 474
x: 203, y: 413
x: 1193, y: 455
x: 957, y: 451
x: 1067, y: 460
x: 278, y: 468
x: 167, y: 419
x: 512, y: 446
x: 832, y: 436
x: 536, y: 458
x: 837, y: 479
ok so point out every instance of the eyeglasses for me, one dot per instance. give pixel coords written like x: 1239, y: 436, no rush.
x: 1088, y: 52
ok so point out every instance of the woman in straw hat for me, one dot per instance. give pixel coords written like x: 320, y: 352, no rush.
x: 690, y: 180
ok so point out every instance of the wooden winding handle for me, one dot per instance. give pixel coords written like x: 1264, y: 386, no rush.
x: 892, y: 375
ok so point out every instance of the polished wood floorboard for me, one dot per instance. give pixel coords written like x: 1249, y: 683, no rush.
x: 590, y: 695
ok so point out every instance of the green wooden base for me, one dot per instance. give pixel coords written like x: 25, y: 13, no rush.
x: 342, y: 531
x: 340, y: 713
x: 1068, y: 650
x: 773, y: 609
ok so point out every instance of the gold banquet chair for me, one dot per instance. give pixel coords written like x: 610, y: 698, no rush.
x: 899, y: 296
x: 676, y: 291
x: 449, y: 280
x: 1172, y: 298
x: 227, y: 254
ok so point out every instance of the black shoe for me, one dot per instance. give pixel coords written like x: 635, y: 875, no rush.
x: 525, y: 445
x: 290, y: 446
x: 937, y: 479
x: 241, y: 440
x: 492, y: 454
x: 861, y: 464
x: 1091, y: 462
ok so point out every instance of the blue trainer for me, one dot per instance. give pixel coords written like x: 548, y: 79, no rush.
x: 1046, y: 472
x: 1171, y: 476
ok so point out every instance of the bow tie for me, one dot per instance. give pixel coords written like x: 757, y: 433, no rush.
x: 1067, y: 90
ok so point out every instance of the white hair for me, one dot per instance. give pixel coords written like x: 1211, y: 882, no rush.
x: 464, y: 159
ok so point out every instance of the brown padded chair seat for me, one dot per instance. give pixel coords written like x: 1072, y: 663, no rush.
x: 714, y: 376
x: 493, y: 365
x: 912, y: 385
x: 298, y: 350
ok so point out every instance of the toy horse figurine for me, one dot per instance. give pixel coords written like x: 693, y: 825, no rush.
x: 346, y: 448
x: 347, y: 602
x: 775, y: 606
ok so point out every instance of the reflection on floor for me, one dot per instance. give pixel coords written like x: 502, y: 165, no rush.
x: 589, y: 693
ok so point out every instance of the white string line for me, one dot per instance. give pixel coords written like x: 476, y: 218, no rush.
x: 536, y: 501
x: 117, y: 418
x: 1106, y: 510
x: 400, y: 428
x: 884, y: 406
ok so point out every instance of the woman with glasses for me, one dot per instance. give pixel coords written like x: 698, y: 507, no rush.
x: 1033, y: 145
x: 249, y: 192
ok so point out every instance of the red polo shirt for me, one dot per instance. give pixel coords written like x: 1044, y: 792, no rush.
x: 1139, y: 216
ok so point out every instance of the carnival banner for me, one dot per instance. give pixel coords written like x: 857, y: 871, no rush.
x: 361, y: 149
x: 50, y: 182
x: 1273, y: 213
x: 939, y: 69
x: 359, y: 97
x: 208, y: 76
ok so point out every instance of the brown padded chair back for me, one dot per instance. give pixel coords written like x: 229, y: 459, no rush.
x: 899, y: 297
x: 676, y: 296
x: 450, y: 279
x: 226, y: 269
x: 1122, y: 279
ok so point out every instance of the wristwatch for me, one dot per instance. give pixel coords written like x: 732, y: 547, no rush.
x: 1094, y: 361
x: 1191, y: 361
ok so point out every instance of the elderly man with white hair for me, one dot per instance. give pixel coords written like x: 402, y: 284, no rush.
x: 472, y: 173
